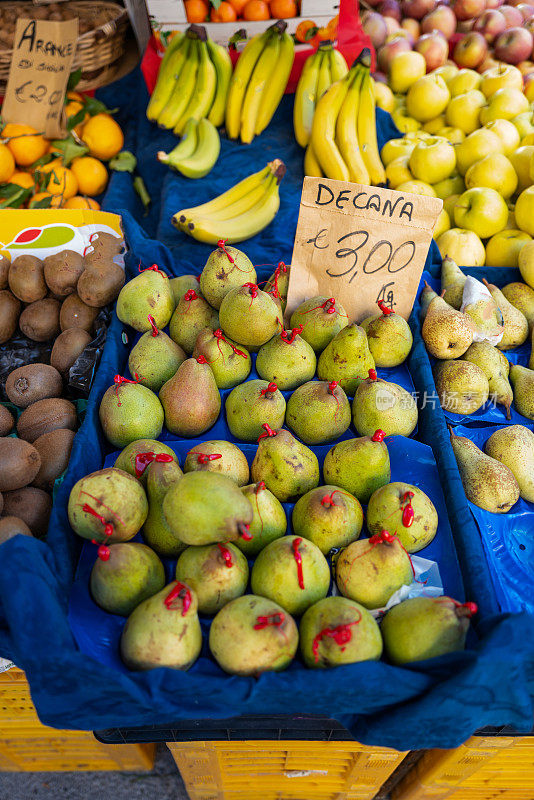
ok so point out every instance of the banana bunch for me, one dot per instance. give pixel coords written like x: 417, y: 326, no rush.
x: 192, y: 83
x: 343, y: 143
x: 321, y: 70
x: 259, y: 82
x: 197, y: 152
x: 238, y: 214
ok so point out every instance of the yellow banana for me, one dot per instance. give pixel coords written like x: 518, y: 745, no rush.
x: 204, y: 91
x: 312, y: 168
x: 223, y: 67
x: 366, y: 127
x: 324, y: 132
x: 170, y: 68
x: 183, y: 89
x: 233, y: 195
x: 346, y: 132
x: 325, y: 78
x: 305, y: 99
x: 274, y: 91
x: 259, y: 80
x: 246, y: 203
x: 338, y: 65
x: 239, y: 82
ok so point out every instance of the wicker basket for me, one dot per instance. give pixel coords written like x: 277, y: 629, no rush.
x: 98, y: 51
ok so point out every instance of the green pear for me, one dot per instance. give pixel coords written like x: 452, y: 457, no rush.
x: 406, y: 511
x: 372, y: 570
x: 230, y: 363
x: 452, y: 282
x: 389, y: 336
x: 207, y: 508
x: 268, y: 519
x: 182, y: 284
x: 336, y: 631
x: 129, y: 411
x: 487, y: 483
x: 227, y: 268
x: 155, y: 358
x: 163, y: 631
x: 278, y: 284
x: 217, y: 573
x: 447, y: 333
x: 148, y: 294
x: 462, y: 386
x: 291, y: 571
x: 156, y: 532
x: 347, y: 359
x: 328, y: 517
x: 427, y: 295
x: 108, y: 505
x: 522, y: 297
x: 250, y: 316
x: 252, y: 635
x: 522, y: 380
x: 515, y: 322
x: 137, y: 456
x: 360, y: 466
x: 513, y: 446
x: 287, y: 360
x: 381, y: 404
x: 124, y: 575
x: 483, y: 311
x: 496, y: 368
x: 425, y: 627
x: 218, y: 456
x: 322, y: 318
x: 288, y: 468
x: 252, y: 405
x: 191, y: 316
x: 190, y: 399
x: 318, y: 412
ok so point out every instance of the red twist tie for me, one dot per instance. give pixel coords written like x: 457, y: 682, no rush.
x: 226, y: 554
x: 328, y: 500
x: 153, y: 268
x: 244, y: 531
x: 372, y: 375
x: 331, y: 303
x: 298, y: 558
x: 142, y: 460
x: 469, y: 608
x: 277, y: 619
x: 253, y: 289
x: 260, y: 487
x: 472, y: 608
x: 332, y: 386
x: 118, y: 380
x: 271, y: 388
x: 407, y: 510
x: 341, y: 635
x: 202, y: 360
x: 103, y: 551
x: 108, y: 526
x: 219, y: 335
x: 268, y: 432
x: 382, y: 538
x: 378, y: 436
x: 190, y: 295
x: 222, y: 245
x: 203, y: 458
x: 153, y: 325
x: 384, y: 309
x: 289, y: 337
x: 179, y: 591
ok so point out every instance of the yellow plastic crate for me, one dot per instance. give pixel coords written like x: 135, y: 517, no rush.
x: 484, y: 768
x: 17, y: 712
x: 283, y: 770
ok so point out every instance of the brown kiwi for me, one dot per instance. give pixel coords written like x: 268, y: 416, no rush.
x: 5, y: 263
x: 100, y: 285
x: 54, y: 449
x: 62, y: 271
x: 19, y: 463
x: 26, y: 279
x: 7, y: 421
x: 67, y: 347
x: 77, y: 314
x: 45, y: 416
x: 10, y: 526
x: 9, y: 315
x: 32, y: 506
x: 32, y: 382
x: 40, y: 320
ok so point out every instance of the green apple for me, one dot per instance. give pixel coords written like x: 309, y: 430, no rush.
x: 464, y: 110
x: 464, y: 81
x: 447, y: 71
x: 443, y: 224
x: 453, y: 135
x: 523, y: 124
x: 398, y: 171
x: 505, y: 75
x: 450, y: 202
x: 506, y: 103
x: 524, y: 210
x: 526, y: 264
x: 433, y: 160
x: 416, y: 187
x: 433, y: 125
x: 477, y: 145
x: 396, y: 148
x: 454, y: 184
x: 495, y: 172
x: 427, y: 98
x: 404, y: 123
x: 504, y: 248
x: 482, y: 211
x: 462, y: 246
x: 521, y: 161
x: 507, y: 133
x: 405, y: 69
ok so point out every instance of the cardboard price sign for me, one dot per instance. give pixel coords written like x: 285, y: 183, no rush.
x: 360, y: 244
x: 42, y: 59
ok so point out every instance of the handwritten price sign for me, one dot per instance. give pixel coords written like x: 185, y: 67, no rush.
x: 360, y: 244
x: 40, y: 69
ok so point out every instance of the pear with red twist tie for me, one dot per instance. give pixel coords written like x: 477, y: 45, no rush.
x: 191, y: 399
x: 329, y: 517
x: 318, y: 412
x: 347, y: 359
x: 250, y: 316
x: 321, y: 318
x: 360, y: 466
x: 389, y: 336
x: 147, y: 294
x: 217, y: 572
x: 229, y: 362
x: 268, y: 522
x: 405, y: 510
x: 155, y: 357
x: 381, y: 404
x: 251, y: 405
x: 287, y: 467
x: 287, y: 360
x: 137, y: 457
x: 218, y: 456
x: 278, y: 284
x: 124, y: 575
x: 227, y: 268
x: 191, y: 316
x: 129, y: 411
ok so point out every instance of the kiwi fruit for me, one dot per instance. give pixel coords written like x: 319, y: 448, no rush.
x: 54, y: 449
x: 100, y: 285
x: 40, y: 320
x: 32, y: 506
x: 45, y: 416
x: 10, y: 526
x: 20, y: 463
x: 26, y: 279
x: 9, y: 315
x: 5, y: 263
x: 62, y: 271
x: 32, y: 382
x: 7, y: 421
x: 67, y: 347
x: 76, y: 314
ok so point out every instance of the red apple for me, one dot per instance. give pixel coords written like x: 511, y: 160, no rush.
x: 374, y: 26
x: 525, y: 67
x: 388, y: 51
x: 412, y: 26
x: 442, y: 19
x: 513, y: 17
x: 471, y: 50
x: 527, y: 11
x: 468, y: 9
x: 392, y: 26
x: 529, y: 26
x: 390, y: 8
x: 417, y: 9
x: 514, y: 45
x: 488, y: 63
x: 465, y: 26
x: 434, y: 48
x: 490, y: 24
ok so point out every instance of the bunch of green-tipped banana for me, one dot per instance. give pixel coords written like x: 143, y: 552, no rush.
x: 259, y: 82
x: 343, y: 144
x: 192, y: 82
x: 321, y: 70
x: 198, y: 151
x: 238, y: 214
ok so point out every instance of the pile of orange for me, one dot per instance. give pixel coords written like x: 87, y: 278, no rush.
x: 231, y: 10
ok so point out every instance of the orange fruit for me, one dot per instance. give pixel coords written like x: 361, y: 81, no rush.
x: 301, y: 34
x: 283, y: 9
x: 333, y: 26
x: 7, y: 164
x: 103, y: 136
x: 256, y: 10
x: 81, y: 202
x: 23, y: 179
x: 91, y: 175
x: 57, y: 200
x: 196, y: 10
x: 63, y: 182
x: 225, y: 13
x: 238, y: 5
x: 25, y: 143
x: 75, y: 96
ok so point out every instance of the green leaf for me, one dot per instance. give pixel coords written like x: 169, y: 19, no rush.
x: 216, y: 4
x: 13, y: 196
x: 123, y: 162
x: 41, y: 162
x: 46, y: 202
x: 68, y: 149
x: 92, y: 106
x: 140, y: 188
x: 76, y: 119
x: 74, y: 79
x: 238, y: 36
